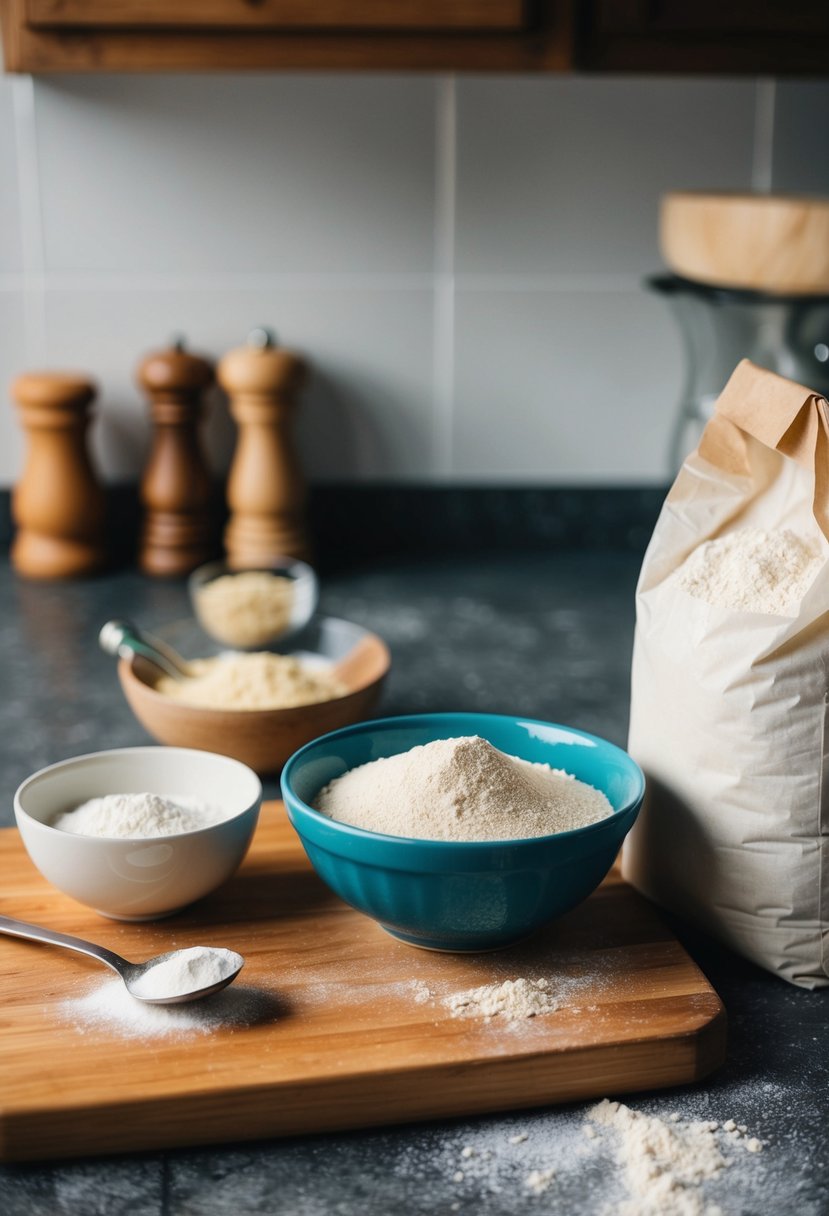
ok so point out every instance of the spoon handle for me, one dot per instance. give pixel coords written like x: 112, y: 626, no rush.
x: 35, y: 933
x: 126, y: 640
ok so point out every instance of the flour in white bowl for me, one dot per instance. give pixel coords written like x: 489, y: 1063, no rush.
x: 139, y: 816
x: 461, y: 789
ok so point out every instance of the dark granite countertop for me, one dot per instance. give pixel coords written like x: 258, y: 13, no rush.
x: 544, y: 636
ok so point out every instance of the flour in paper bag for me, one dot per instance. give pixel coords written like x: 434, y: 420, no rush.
x: 751, y: 570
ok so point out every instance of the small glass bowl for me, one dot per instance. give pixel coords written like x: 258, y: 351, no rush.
x: 260, y: 617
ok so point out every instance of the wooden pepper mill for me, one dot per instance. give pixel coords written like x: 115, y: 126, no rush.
x: 265, y: 489
x: 176, y: 488
x: 58, y: 505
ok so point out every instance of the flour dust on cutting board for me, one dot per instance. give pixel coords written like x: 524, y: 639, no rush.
x: 519, y: 997
x: 108, y: 1007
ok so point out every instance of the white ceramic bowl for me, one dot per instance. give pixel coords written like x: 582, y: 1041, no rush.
x: 139, y: 879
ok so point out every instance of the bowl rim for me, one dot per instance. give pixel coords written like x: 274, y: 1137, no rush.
x: 630, y: 808
x: 304, y: 571
x: 106, y: 753
x: 125, y: 669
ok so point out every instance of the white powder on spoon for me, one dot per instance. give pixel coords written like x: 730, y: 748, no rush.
x: 187, y: 971
x: 461, y: 789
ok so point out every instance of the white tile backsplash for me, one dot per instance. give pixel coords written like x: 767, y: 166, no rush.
x: 460, y: 259
x: 552, y: 386
x: 564, y: 176
x: 366, y: 412
x: 265, y: 174
x: 11, y: 252
x: 12, y: 360
x: 800, y: 161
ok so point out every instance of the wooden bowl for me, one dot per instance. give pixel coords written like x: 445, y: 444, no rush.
x: 758, y: 242
x: 263, y: 738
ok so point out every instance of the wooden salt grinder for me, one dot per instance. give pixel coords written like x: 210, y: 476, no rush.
x: 58, y: 505
x: 176, y: 488
x: 265, y: 489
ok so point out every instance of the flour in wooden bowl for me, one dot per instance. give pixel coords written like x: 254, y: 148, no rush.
x: 252, y: 681
x: 461, y: 789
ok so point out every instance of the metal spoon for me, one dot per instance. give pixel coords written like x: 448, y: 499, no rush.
x: 130, y: 973
x: 126, y: 640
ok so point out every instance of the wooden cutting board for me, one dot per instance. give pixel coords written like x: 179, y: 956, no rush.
x: 351, y: 1027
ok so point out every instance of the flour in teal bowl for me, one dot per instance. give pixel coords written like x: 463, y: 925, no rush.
x: 461, y: 789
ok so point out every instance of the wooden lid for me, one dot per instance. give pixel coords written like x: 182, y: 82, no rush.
x: 174, y: 368
x: 260, y: 366
x: 760, y: 242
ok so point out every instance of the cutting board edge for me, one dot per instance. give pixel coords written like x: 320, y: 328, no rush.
x: 693, y: 1055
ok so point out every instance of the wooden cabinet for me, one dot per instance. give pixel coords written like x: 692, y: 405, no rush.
x: 773, y: 37
x: 190, y: 35
x: 406, y: 15
x: 694, y: 36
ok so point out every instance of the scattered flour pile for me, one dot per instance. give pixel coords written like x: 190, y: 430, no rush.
x: 605, y: 1160
x: 461, y: 789
x: 137, y: 816
x: 513, y: 1000
x: 665, y: 1162
x: 109, y: 1007
x: 752, y: 571
x: 252, y: 681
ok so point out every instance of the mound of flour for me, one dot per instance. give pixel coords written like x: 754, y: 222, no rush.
x: 752, y: 571
x: 137, y: 816
x: 461, y: 789
x: 511, y: 1000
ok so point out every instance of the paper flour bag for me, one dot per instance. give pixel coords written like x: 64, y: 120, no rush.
x: 729, y: 683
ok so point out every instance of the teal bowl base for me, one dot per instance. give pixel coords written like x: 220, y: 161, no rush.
x: 440, y: 946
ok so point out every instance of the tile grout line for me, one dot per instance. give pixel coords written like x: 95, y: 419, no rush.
x: 31, y: 219
x: 443, y: 341
x: 586, y: 281
x: 762, y: 161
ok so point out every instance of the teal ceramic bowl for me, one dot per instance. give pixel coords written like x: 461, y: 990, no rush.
x: 462, y: 896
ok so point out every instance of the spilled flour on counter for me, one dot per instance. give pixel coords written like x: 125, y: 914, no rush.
x: 461, y: 789
x: 511, y: 1001
x: 665, y: 1162
x: 631, y: 1164
x: 752, y: 571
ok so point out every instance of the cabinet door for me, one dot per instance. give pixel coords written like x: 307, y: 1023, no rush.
x: 398, y: 15
x: 757, y: 36
x: 712, y: 16
x: 44, y: 36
